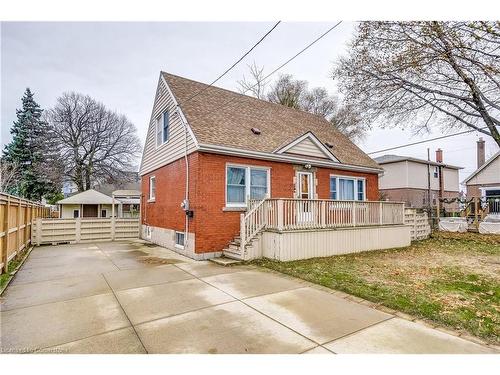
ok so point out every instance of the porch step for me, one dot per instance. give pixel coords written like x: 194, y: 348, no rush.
x: 232, y: 254
x: 224, y: 261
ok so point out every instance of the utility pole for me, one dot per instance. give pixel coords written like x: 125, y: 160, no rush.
x: 429, y: 184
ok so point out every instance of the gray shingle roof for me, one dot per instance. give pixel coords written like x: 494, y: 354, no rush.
x: 225, y: 118
x: 385, y: 159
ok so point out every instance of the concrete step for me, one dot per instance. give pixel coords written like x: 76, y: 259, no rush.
x: 223, y: 261
x: 227, y: 253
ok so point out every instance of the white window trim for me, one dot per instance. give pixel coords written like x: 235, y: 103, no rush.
x: 159, y: 124
x: 152, y: 198
x: 312, y: 187
x: 247, y: 179
x: 175, y: 240
x: 347, y: 177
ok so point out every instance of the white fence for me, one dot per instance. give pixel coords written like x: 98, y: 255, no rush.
x: 53, y: 231
x: 285, y: 214
x: 419, y: 224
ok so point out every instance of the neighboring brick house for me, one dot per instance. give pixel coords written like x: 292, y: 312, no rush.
x: 208, y: 150
x: 485, y: 180
x: 407, y: 179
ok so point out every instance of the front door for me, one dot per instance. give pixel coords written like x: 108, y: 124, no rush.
x: 90, y: 210
x: 305, y: 191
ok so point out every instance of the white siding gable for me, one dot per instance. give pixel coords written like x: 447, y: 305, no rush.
x: 155, y: 156
x: 307, y: 145
x: 488, y: 175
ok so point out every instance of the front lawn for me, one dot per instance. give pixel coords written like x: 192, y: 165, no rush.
x: 451, y: 279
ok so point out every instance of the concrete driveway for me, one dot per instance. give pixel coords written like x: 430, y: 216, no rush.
x: 132, y: 297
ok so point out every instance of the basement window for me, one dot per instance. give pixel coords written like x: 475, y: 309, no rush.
x: 179, y: 240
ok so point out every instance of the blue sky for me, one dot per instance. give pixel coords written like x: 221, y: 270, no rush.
x: 118, y: 63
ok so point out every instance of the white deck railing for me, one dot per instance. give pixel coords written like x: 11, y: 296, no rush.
x: 299, y: 214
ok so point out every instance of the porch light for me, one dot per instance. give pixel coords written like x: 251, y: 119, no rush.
x: 307, y: 166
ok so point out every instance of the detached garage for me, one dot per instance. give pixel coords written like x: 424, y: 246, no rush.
x: 90, y: 203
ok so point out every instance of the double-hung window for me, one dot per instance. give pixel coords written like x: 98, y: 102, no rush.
x: 347, y: 188
x: 162, y: 128
x: 243, y: 182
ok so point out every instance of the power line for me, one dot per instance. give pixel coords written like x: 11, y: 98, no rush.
x: 278, y: 68
x: 232, y: 66
x: 425, y: 140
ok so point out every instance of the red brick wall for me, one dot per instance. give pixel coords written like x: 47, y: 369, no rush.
x: 213, y: 227
x: 166, y: 211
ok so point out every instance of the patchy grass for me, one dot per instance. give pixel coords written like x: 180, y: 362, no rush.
x: 5, y: 277
x: 451, y: 279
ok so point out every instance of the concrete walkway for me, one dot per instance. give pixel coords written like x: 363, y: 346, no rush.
x: 131, y: 297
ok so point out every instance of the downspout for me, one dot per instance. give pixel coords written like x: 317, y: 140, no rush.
x: 186, y: 193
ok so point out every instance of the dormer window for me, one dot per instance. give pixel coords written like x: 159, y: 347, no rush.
x: 162, y: 128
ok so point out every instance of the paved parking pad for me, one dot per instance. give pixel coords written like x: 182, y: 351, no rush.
x: 31, y: 294
x: 136, y: 278
x: 229, y: 328
x: 251, y: 283
x: 159, y: 301
x: 315, y: 314
x: 121, y: 341
x: 401, y: 336
x: 135, y: 297
x: 42, y: 326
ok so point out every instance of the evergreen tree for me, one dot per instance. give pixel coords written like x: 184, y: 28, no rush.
x: 27, y: 152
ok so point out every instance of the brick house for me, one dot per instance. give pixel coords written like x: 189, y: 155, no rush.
x: 210, y: 153
x: 407, y: 179
x: 484, y: 182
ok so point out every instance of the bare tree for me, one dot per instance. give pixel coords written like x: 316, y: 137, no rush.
x: 255, y: 85
x: 348, y: 121
x: 418, y: 74
x: 96, y: 144
x: 319, y: 102
x: 287, y: 91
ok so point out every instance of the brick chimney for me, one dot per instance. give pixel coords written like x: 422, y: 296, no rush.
x: 439, y: 155
x: 480, y: 152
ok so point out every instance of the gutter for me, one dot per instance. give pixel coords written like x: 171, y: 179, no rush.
x: 214, y: 149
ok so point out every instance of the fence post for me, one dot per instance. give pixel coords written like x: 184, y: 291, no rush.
x: 381, y: 214
x: 353, y: 213
x: 38, y: 233
x: 5, y: 246
x: 18, y: 226
x: 78, y: 229
x: 415, y: 226
x: 280, y: 214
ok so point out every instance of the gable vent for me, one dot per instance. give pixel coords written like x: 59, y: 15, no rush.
x: 328, y: 144
x: 255, y: 131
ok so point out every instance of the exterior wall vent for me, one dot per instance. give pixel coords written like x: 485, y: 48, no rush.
x: 328, y: 144
x: 255, y: 131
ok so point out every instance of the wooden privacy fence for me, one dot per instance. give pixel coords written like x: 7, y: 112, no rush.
x: 54, y: 231
x: 17, y: 216
x: 419, y: 223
